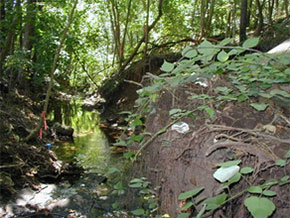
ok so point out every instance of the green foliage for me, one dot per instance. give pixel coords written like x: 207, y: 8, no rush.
x: 259, y: 207
x: 190, y: 194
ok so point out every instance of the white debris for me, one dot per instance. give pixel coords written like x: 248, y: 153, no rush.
x: 180, y: 127
x: 225, y: 173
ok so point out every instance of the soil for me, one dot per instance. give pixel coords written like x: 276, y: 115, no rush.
x: 26, y: 164
x: 178, y: 162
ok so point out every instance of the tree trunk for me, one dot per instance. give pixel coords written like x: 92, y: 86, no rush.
x: 146, y: 33
x: 51, y: 75
x: 249, y: 13
x: 286, y: 5
x: 260, y: 17
x: 209, y: 17
x: 243, y: 21
x: 270, y: 11
x: 6, y: 49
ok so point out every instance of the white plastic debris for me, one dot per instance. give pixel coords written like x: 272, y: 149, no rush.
x: 180, y: 127
x: 225, y: 173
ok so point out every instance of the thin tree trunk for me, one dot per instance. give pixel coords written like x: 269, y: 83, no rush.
x: 209, y: 17
x: 270, y: 11
x: 249, y: 13
x: 146, y: 33
x: 286, y: 5
x: 126, y: 27
x: 260, y: 17
x: 6, y: 50
x: 234, y: 18
x: 51, y: 75
x: 243, y: 20
x: 150, y: 27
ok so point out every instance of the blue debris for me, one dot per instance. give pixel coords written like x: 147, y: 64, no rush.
x: 48, y: 145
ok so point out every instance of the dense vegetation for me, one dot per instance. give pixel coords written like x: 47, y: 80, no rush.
x: 212, y: 63
x: 106, y: 36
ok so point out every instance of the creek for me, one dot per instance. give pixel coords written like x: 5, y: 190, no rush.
x: 91, y: 195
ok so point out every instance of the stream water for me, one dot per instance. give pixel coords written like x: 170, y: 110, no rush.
x: 88, y: 196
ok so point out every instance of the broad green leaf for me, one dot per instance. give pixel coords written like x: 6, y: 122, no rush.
x: 269, y: 183
x: 210, y: 112
x: 183, y: 215
x: 121, y: 143
x: 259, y: 207
x: 266, y: 95
x: 229, y: 163
x: 187, y: 205
x: 138, y: 212
x: 259, y: 107
x: 236, y: 178
x: 112, y: 170
x: 222, y: 56
x: 174, y: 111
x: 280, y: 92
x: 246, y: 170
x: 215, y: 202
x: 280, y: 163
x: 250, y: 43
x: 189, y: 194
x: 255, y: 189
x: 189, y: 52
x: 269, y: 193
x: 167, y: 67
x: 136, y: 138
x: 136, y: 180
x: 207, y: 48
x: 137, y: 122
x: 284, y: 180
x: 136, y: 185
x: 226, y: 41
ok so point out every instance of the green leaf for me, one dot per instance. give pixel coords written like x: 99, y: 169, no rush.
x: 121, y: 143
x: 210, y: 112
x: 269, y: 193
x: 189, y: 52
x: 229, y: 163
x: 167, y: 67
x: 280, y: 92
x: 284, y: 180
x: 246, y: 170
x: 280, y: 163
x: 136, y: 138
x: 183, y: 215
x: 236, y: 178
x: 138, y: 212
x: 287, y: 155
x: 112, y: 170
x: 255, y: 189
x: 189, y: 194
x: 136, y: 185
x: 174, y: 111
x: 250, y: 43
x: 226, y: 41
x: 215, y: 202
x: 187, y: 205
x: 137, y: 122
x: 222, y: 56
x: 259, y: 107
x: 259, y: 207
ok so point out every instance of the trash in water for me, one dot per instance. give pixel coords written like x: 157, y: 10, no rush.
x: 180, y: 127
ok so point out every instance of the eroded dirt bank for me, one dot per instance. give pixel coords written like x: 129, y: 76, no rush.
x: 179, y: 162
